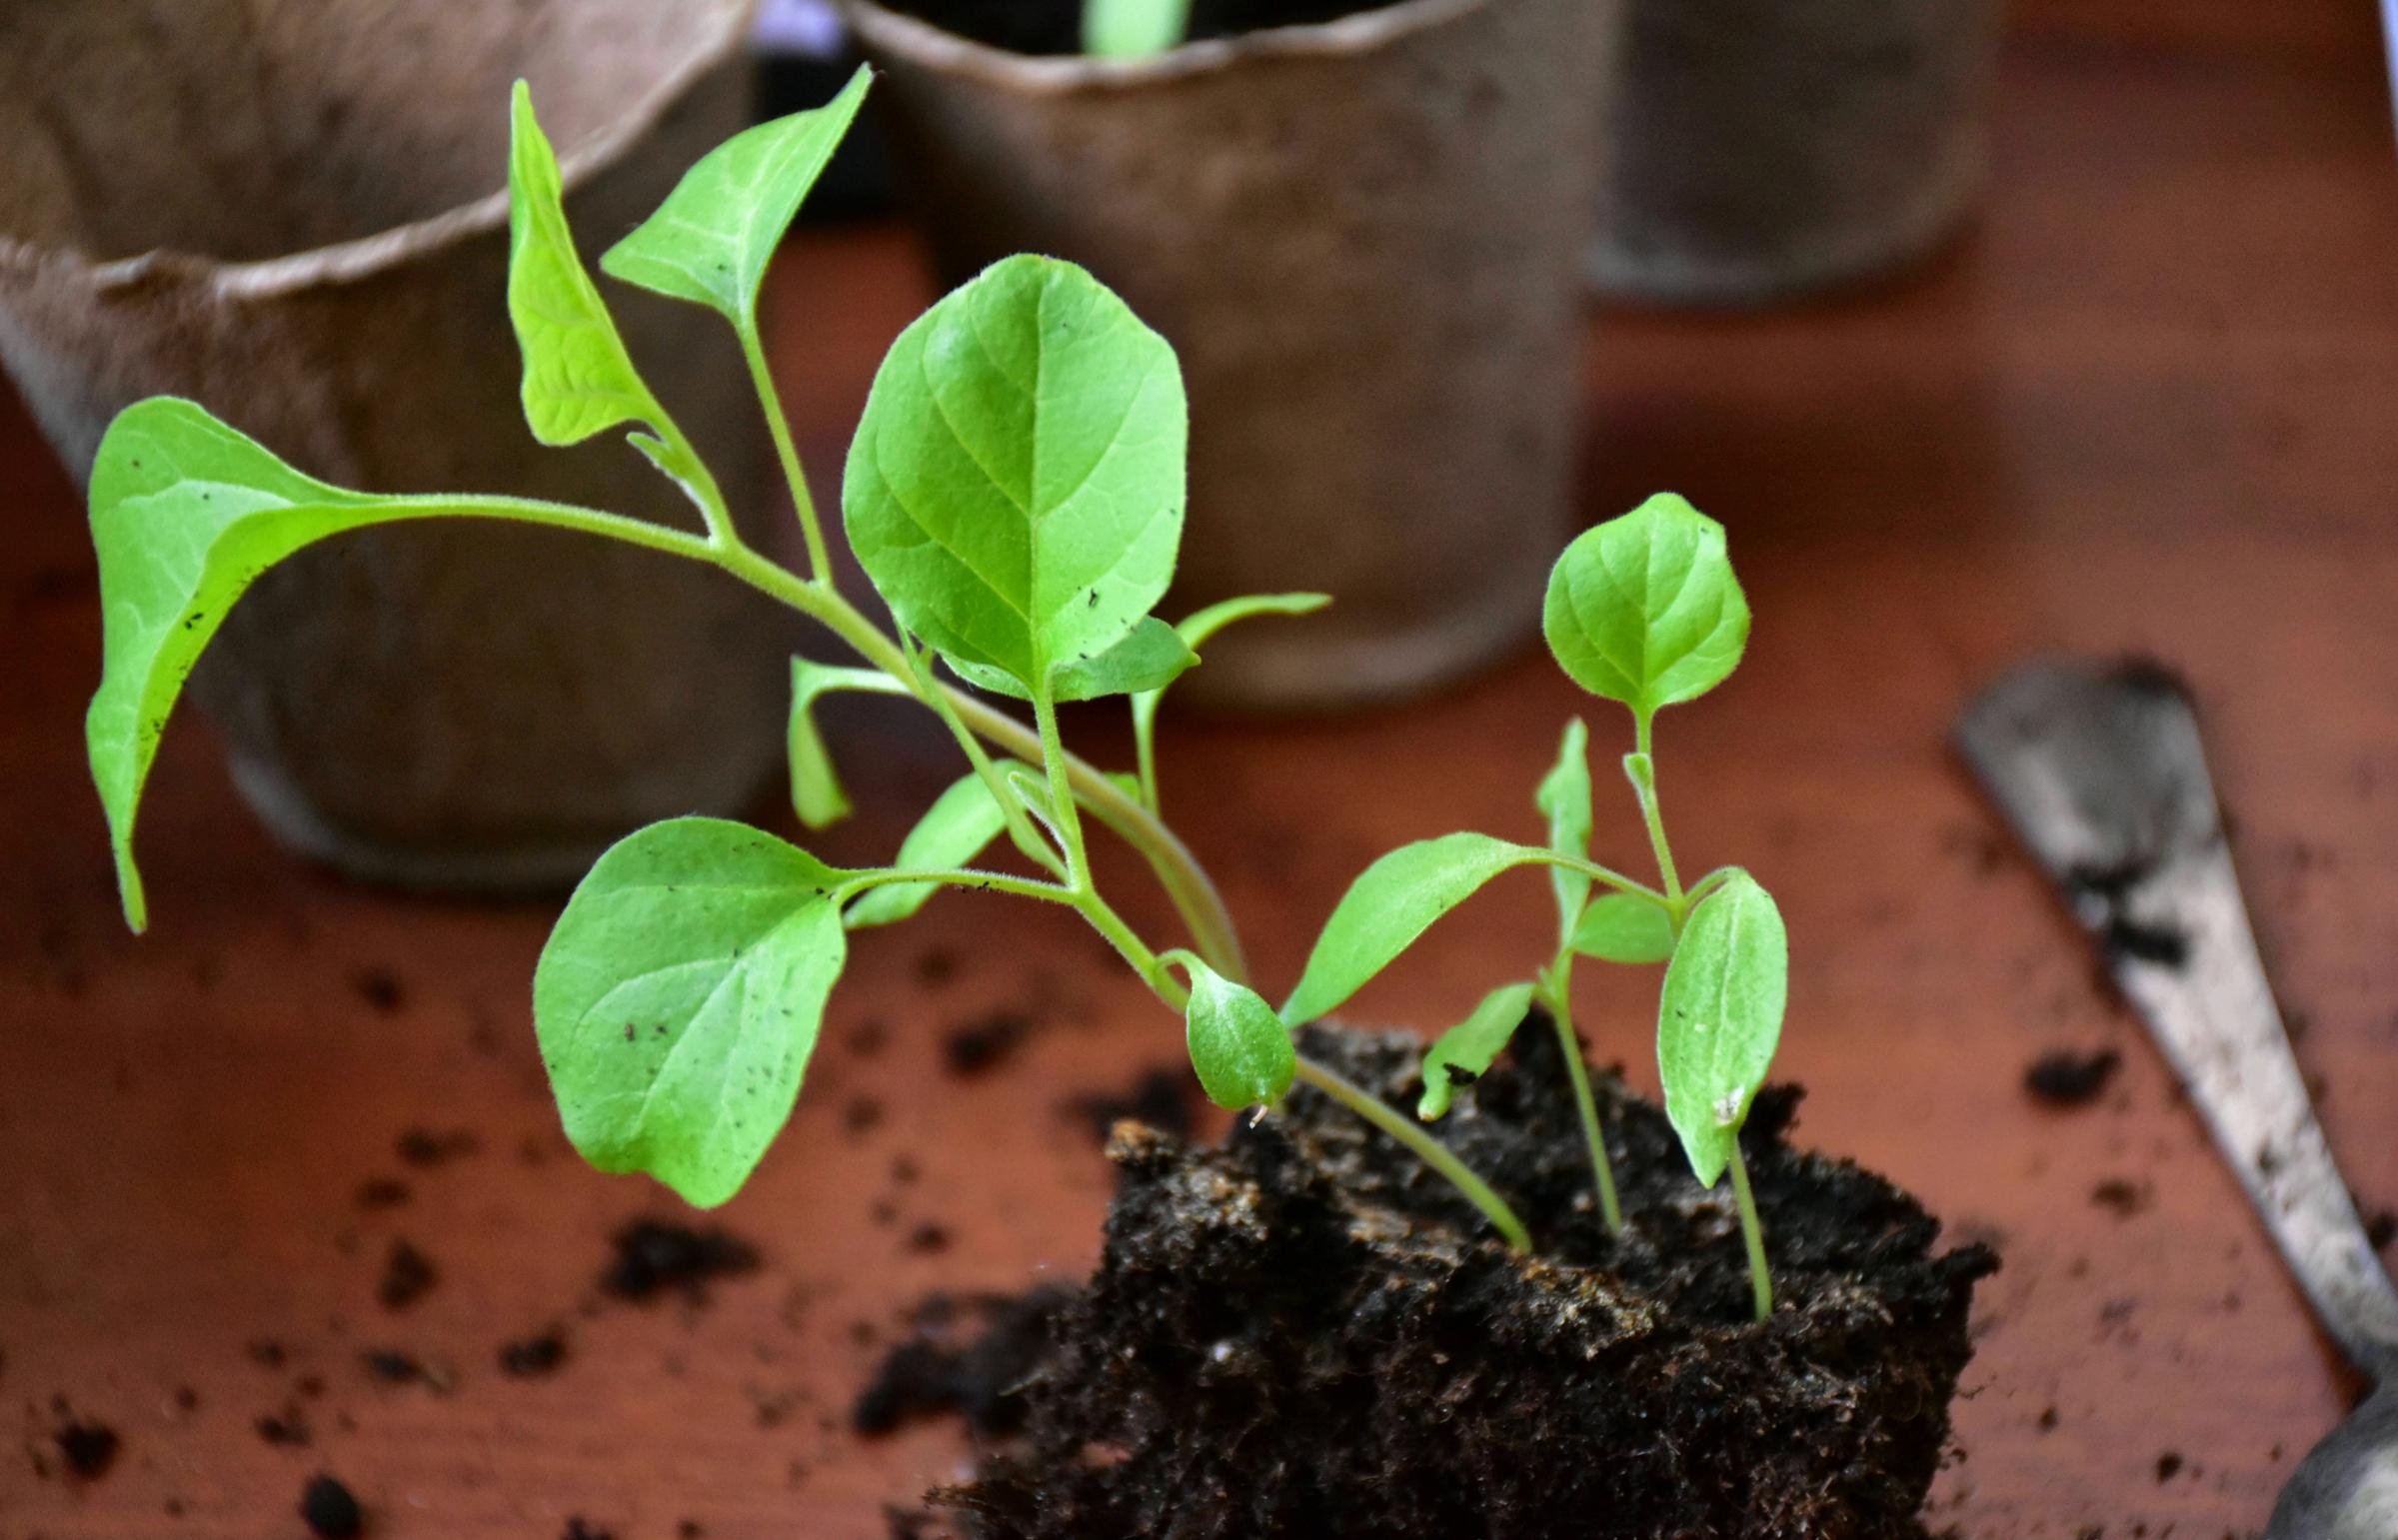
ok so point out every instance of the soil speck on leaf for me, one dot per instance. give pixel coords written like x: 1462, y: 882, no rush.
x: 534, y: 1356
x: 87, y: 1447
x: 1160, y: 1097
x: 408, y: 1277
x: 982, y: 1046
x: 2062, y: 1077
x: 962, y: 1356
x: 653, y: 1255
x: 328, y: 1511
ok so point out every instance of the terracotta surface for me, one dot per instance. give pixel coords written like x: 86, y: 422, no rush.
x: 2147, y: 407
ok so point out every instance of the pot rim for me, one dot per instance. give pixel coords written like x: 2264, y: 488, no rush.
x: 1361, y: 32
x: 361, y: 257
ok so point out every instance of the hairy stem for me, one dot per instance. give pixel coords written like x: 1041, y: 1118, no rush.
x: 1061, y: 797
x: 1558, y: 994
x: 1759, y: 1281
x: 966, y: 877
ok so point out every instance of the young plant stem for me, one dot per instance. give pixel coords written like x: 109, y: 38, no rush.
x: 1061, y: 797
x: 1645, y: 788
x: 1760, y: 1282
x: 1428, y: 1149
x: 966, y: 877
x: 1556, y: 994
x: 1011, y: 806
x: 820, y: 559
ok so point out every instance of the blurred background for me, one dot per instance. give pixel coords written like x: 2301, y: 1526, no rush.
x: 1988, y: 330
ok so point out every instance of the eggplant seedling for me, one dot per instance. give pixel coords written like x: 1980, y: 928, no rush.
x: 1015, y: 494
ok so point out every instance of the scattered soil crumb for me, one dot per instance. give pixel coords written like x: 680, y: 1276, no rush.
x: 962, y: 1356
x: 929, y: 1238
x: 1160, y: 1097
x: 286, y: 1429
x: 265, y: 1352
x: 2048, y: 1420
x: 869, y: 1037
x: 87, y: 1447
x: 653, y: 1256
x: 2062, y: 1077
x: 328, y: 1511
x: 936, y: 967
x: 377, y: 1192
x: 580, y: 1528
x: 187, y: 1400
x: 2125, y: 1197
x: 2382, y: 1228
x: 380, y: 987
x: 425, y: 1148
x: 2168, y: 1466
x: 982, y: 1046
x: 861, y: 1114
x: 534, y: 1356
x: 408, y: 1277
x: 690, y: 1529
x: 392, y: 1367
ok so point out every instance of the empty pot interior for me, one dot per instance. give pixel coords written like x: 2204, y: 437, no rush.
x: 248, y: 129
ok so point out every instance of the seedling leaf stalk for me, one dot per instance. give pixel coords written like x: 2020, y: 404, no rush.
x: 1015, y: 493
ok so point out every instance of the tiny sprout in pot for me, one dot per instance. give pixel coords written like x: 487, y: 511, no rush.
x: 1015, y: 493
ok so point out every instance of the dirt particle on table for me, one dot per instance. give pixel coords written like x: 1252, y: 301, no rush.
x: 286, y: 1429
x: 86, y: 1447
x: 579, y: 1528
x: 2122, y: 1195
x: 654, y: 1255
x: 425, y: 1148
x: 391, y: 1366
x: 2381, y: 1227
x: 2168, y: 1466
x: 2048, y: 1419
x: 330, y: 1511
x: 1159, y: 1096
x: 935, y: 966
x: 380, y: 987
x: 929, y: 1238
x: 2063, y: 1078
x: 982, y: 1046
x: 861, y: 1115
x: 534, y: 1356
x: 869, y: 1037
x: 408, y: 1277
x: 965, y: 1356
x: 265, y: 1352
x: 381, y: 1192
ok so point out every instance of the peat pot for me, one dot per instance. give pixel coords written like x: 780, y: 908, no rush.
x: 296, y: 214
x: 1362, y: 235
x: 1758, y: 149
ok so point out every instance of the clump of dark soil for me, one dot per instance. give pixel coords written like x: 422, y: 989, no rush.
x: 656, y: 1255
x: 330, y: 1511
x: 1304, y: 1332
x: 2062, y: 1077
x: 1055, y: 26
x: 962, y: 1357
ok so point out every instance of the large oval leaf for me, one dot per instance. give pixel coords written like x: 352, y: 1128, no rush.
x: 1644, y: 609
x: 1721, y: 1018
x: 1391, y: 902
x: 1015, y: 487
x: 679, y: 999
x: 710, y: 240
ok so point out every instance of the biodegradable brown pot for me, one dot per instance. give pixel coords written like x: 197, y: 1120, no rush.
x: 1756, y: 149
x: 297, y: 215
x: 1363, y: 239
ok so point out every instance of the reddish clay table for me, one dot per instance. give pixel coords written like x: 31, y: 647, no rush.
x: 2149, y: 405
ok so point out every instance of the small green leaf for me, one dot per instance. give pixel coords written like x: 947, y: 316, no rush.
x: 953, y: 832
x: 1015, y: 487
x: 1721, y: 1018
x: 1564, y: 799
x: 1393, y: 901
x: 1148, y: 657
x: 710, y: 240
x: 1619, y: 927
x: 1644, y: 609
x: 1238, y: 1046
x: 1465, y: 1051
x: 1130, y: 29
x: 816, y: 791
x: 186, y: 513
x: 679, y: 999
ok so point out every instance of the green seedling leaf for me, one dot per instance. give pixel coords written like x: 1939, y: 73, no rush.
x: 1130, y: 29
x: 579, y: 380
x: 1151, y: 656
x: 186, y: 513
x: 1015, y: 486
x: 1644, y: 609
x: 710, y: 240
x: 679, y: 999
x: 1618, y: 928
x: 1238, y: 1046
x: 1564, y: 799
x: 1466, y: 1052
x: 1721, y: 1018
x: 1393, y: 901
x: 815, y: 789
x: 953, y: 832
